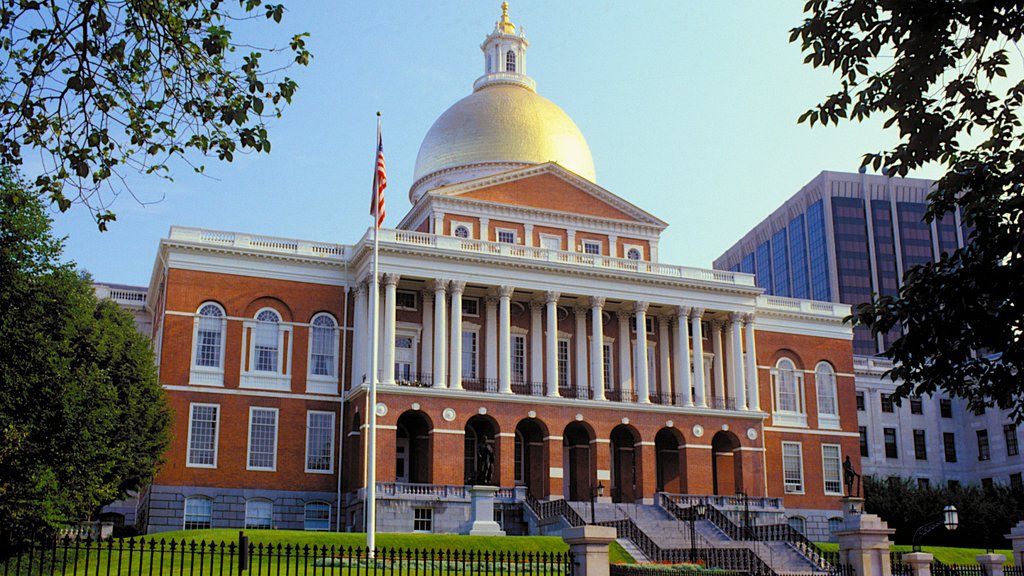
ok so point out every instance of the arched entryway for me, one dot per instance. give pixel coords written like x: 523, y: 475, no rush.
x: 726, y: 464
x: 481, y: 457
x: 671, y: 465
x: 412, y: 448
x: 578, y: 461
x: 531, y: 457
x: 626, y: 476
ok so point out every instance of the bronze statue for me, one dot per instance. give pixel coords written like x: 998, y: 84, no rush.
x: 850, y: 476
x: 484, y: 464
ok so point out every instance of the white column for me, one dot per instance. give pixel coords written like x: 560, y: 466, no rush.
x: 455, y: 343
x: 438, y: 223
x: 491, y: 342
x: 740, y: 385
x: 665, y: 366
x: 718, y: 364
x: 580, y: 338
x: 729, y: 358
x: 427, y: 352
x: 640, y: 363
x: 360, y: 335
x: 753, y: 390
x: 551, y: 341
x: 388, y: 360
x: 484, y: 225
x: 613, y: 245
x: 504, y: 340
x: 597, y: 348
x: 440, y: 340
x: 684, y: 395
x: 528, y: 233
x: 699, y: 386
x: 625, y: 366
x: 570, y: 240
x: 536, y: 345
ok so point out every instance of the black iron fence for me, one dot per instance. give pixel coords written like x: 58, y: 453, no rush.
x: 156, y: 557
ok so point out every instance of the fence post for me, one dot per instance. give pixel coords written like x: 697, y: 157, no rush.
x: 589, y: 547
x: 1016, y: 538
x: 864, y: 540
x: 992, y: 563
x: 920, y: 563
x: 243, y: 552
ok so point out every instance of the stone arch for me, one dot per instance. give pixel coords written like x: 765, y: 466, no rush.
x: 726, y: 463
x: 481, y: 442
x: 670, y: 457
x: 579, y: 460
x: 627, y: 474
x: 269, y: 302
x: 413, y: 448
x: 531, y: 459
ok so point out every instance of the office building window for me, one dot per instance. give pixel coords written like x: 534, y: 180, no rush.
x: 763, y: 276
x: 831, y: 465
x: 853, y: 263
x: 915, y: 234
x: 920, y: 445
x: 860, y: 401
x: 945, y: 408
x: 886, y: 403
x: 817, y: 252
x: 863, y: 431
x: 916, y: 407
x: 798, y: 258
x: 792, y: 467
x: 983, y: 450
x: 891, y: 448
x: 949, y: 446
x: 1010, y: 433
x: 780, y: 263
x: 747, y: 264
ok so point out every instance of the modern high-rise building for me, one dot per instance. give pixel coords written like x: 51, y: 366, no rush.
x: 842, y: 238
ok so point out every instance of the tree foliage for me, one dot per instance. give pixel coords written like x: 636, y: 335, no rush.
x: 946, y: 76
x: 98, y: 88
x: 83, y: 419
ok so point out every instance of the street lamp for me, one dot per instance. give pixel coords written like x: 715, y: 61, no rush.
x: 595, y: 493
x: 696, y: 511
x: 949, y: 520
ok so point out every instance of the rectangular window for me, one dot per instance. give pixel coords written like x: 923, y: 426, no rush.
x: 831, y: 464
x: 920, y: 445
x: 763, y: 277
x: 1010, y: 433
x: 1016, y: 482
x: 983, y: 451
x: 922, y: 483
x: 423, y: 520
x: 860, y: 401
x: 863, y: 431
x: 817, y: 252
x: 792, y: 467
x: 469, y: 355
x: 519, y: 358
x: 591, y: 247
x: 608, y: 367
x: 506, y: 236
x: 319, y: 441
x: 886, y: 403
x: 891, y: 448
x: 916, y: 407
x: 208, y: 342
x: 945, y: 408
x: 262, y: 438
x: 798, y: 257
x: 949, y: 446
x: 470, y: 306
x: 198, y: 513
x: 317, y: 516
x: 780, y: 264
x: 986, y: 484
x: 563, y: 363
x: 202, y: 435
x: 405, y: 300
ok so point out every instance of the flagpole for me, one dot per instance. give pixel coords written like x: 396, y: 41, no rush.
x: 371, y: 458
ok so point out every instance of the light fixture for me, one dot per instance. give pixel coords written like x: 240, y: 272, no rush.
x: 600, y: 491
x: 950, y: 518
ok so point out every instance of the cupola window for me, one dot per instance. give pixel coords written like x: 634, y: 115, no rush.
x: 510, y: 61
x: 633, y: 254
x: 461, y: 232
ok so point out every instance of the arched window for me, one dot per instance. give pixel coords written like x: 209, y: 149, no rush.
x: 461, y: 232
x: 787, y: 386
x: 797, y: 523
x: 825, y: 383
x: 265, y: 339
x: 633, y: 254
x: 317, y: 516
x: 835, y: 524
x: 198, y: 512
x: 510, y: 61
x: 322, y: 345
x: 259, y: 514
x: 209, y: 336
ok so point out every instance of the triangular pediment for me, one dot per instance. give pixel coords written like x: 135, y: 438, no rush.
x: 548, y: 187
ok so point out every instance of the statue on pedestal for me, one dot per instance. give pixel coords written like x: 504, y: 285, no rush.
x: 850, y: 478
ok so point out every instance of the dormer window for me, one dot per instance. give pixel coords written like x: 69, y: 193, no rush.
x: 510, y: 61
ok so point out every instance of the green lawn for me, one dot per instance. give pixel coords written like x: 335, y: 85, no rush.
x: 943, y: 554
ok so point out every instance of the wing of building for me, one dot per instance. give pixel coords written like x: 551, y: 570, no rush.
x: 524, y: 314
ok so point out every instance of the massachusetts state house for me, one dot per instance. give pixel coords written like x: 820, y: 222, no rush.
x: 524, y: 308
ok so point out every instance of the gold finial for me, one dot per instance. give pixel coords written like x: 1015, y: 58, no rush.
x: 505, y: 25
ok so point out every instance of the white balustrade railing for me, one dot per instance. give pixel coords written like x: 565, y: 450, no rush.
x: 783, y: 304
x: 258, y: 242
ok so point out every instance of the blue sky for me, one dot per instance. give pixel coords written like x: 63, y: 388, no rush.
x: 689, y: 108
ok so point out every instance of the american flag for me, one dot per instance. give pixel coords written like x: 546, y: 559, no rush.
x: 380, y: 182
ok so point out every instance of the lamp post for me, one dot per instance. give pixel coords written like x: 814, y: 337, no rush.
x: 949, y: 520
x: 696, y: 512
x: 595, y: 493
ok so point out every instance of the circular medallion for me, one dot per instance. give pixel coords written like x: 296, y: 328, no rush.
x: 382, y: 409
x: 751, y: 433
x: 482, y: 411
x: 579, y: 417
x: 725, y: 426
x: 448, y: 414
x: 532, y: 414
x: 669, y: 423
x: 625, y: 420
x: 415, y: 405
x: 698, y: 430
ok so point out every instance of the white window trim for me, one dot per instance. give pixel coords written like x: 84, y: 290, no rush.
x: 824, y: 483
x: 305, y: 507
x: 216, y: 437
x: 454, y: 224
x: 206, y: 375
x: 317, y: 383
x: 627, y: 247
x: 415, y: 298
x: 467, y: 299
x: 586, y: 242
x: 260, y: 380
x: 414, y: 520
x: 474, y: 329
x: 248, y: 448
x: 517, y: 332
x: 542, y: 236
x: 803, y: 483
x: 245, y: 521
x: 411, y: 331
x: 568, y: 359
x: 789, y: 418
x: 512, y: 231
x: 330, y: 469
x: 184, y: 510
x: 827, y: 421
x: 609, y: 357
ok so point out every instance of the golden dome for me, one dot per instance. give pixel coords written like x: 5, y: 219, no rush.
x: 501, y: 125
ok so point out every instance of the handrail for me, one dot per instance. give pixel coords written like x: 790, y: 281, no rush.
x: 786, y: 533
x: 553, y: 508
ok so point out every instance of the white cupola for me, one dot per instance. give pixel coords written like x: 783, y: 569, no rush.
x: 505, y: 55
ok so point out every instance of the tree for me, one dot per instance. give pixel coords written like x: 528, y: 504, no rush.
x: 83, y: 419
x: 98, y: 88
x: 937, y: 71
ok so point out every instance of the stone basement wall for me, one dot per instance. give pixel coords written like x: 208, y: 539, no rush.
x: 816, y: 522
x: 166, y: 506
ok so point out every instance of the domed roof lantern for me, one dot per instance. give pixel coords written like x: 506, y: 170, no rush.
x: 505, y: 55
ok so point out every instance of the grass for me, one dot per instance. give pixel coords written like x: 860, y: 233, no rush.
x: 944, y: 554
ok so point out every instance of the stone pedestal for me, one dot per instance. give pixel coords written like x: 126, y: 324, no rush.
x: 1016, y: 538
x: 482, y: 502
x: 864, y: 540
x: 589, y: 547
x: 992, y: 563
x: 920, y: 563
